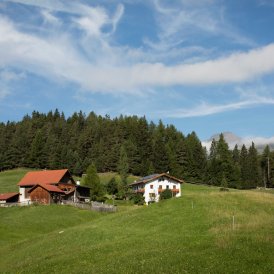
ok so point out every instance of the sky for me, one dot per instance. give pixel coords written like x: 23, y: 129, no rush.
x: 203, y: 65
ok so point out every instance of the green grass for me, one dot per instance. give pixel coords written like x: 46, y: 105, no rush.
x: 106, y: 177
x: 168, y: 237
x: 10, y: 178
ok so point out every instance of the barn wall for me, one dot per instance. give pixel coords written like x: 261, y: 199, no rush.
x: 40, y: 195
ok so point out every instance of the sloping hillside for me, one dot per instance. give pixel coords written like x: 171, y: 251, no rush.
x: 10, y: 178
x: 191, y: 234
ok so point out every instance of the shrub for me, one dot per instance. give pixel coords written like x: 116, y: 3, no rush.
x: 224, y: 189
x: 138, y: 199
x: 166, y: 194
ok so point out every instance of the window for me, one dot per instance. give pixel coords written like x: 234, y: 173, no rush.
x: 167, y: 187
x: 174, y: 187
x: 151, y: 195
x: 151, y: 186
x: 160, y: 186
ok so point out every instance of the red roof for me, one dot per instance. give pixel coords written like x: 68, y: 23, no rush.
x: 5, y: 196
x: 42, y: 177
x: 47, y: 187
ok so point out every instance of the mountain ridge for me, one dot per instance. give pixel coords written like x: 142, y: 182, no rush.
x: 233, y: 139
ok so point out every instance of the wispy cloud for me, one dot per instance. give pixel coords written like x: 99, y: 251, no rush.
x: 6, y: 77
x: 184, y: 21
x: 62, y: 60
x: 205, y: 109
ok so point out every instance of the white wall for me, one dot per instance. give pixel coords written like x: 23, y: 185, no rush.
x: 22, y: 197
x: 155, y: 183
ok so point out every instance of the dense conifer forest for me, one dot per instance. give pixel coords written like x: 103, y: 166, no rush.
x: 53, y: 141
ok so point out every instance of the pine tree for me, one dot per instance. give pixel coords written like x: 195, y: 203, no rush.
x: 92, y: 180
x: 123, y: 166
x: 112, y: 186
x: 221, y: 163
x: 253, y: 166
x: 244, y: 167
x: 159, y: 150
x: 266, y: 166
x: 196, y: 158
x: 37, y: 153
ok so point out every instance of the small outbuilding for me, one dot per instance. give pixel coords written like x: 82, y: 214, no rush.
x: 11, y: 197
x: 45, y: 194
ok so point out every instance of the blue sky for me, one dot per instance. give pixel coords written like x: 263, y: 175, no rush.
x: 202, y: 65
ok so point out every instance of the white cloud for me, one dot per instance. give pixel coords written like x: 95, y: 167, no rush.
x: 180, y: 21
x: 258, y: 141
x: 6, y: 77
x: 247, y: 141
x: 205, y: 109
x: 93, y: 23
x: 50, y: 18
x: 60, y: 59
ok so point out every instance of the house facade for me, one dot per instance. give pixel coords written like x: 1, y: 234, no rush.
x: 51, y: 186
x: 151, y: 186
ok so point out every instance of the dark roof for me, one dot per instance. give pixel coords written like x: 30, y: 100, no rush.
x: 49, y: 188
x: 152, y: 177
x: 42, y: 177
x: 80, y: 186
x: 6, y: 196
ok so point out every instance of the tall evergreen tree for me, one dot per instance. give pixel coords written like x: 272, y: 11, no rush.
x: 244, y: 167
x: 123, y: 166
x: 92, y: 180
x: 253, y: 166
x: 266, y: 167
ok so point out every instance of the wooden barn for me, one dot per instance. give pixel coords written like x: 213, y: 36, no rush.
x: 51, y: 186
x: 45, y: 194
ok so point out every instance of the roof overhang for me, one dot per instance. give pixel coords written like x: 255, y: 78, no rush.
x: 156, y: 177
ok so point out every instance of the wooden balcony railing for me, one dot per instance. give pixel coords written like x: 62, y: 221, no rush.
x: 140, y: 190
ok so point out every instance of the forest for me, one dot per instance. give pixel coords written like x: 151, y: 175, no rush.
x: 53, y: 141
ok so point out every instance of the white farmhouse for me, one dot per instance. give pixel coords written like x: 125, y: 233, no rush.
x: 151, y: 186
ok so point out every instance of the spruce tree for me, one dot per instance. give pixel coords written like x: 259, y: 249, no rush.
x: 92, y: 180
x: 244, y: 167
x: 123, y: 166
x: 253, y: 166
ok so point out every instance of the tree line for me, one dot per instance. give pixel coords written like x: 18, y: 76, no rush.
x: 130, y: 145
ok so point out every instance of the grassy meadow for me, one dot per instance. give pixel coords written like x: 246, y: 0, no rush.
x: 190, y: 234
x: 10, y: 178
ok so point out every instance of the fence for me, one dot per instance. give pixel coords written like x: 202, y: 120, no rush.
x: 15, y: 204
x: 93, y: 206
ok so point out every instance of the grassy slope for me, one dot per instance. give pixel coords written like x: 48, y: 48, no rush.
x: 168, y: 237
x: 9, y: 179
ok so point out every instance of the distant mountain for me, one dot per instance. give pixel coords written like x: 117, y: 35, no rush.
x: 233, y: 139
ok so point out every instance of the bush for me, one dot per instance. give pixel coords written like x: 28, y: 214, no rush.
x: 100, y: 199
x: 138, y: 199
x: 166, y: 194
x: 224, y: 189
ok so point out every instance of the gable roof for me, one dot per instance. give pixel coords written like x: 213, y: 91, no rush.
x: 42, y: 177
x: 49, y: 188
x: 6, y: 196
x: 153, y: 177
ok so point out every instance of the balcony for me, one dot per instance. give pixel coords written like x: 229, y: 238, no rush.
x: 174, y: 190
x: 140, y: 190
